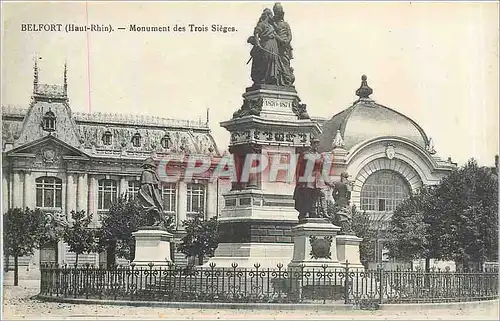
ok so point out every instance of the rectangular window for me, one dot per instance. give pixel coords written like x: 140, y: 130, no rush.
x: 169, y: 198
x: 133, y: 189
x: 107, y: 193
x: 195, y: 198
x: 381, y: 204
x: 48, y: 192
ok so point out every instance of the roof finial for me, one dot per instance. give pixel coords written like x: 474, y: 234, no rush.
x: 35, y: 75
x: 65, y: 78
x: 364, y: 91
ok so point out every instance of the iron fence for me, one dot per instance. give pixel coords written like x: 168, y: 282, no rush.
x: 279, y: 285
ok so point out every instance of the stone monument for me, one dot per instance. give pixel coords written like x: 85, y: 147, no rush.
x: 258, y: 215
x: 152, y: 242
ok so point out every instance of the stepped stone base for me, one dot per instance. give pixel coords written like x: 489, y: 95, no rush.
x: 246, y: 255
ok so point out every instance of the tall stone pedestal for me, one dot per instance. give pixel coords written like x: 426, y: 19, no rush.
x: 152, y: 245
x: 315, y: 246
x: 258, y: 215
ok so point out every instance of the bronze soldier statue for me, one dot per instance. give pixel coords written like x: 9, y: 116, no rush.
x: 149, y: 195
x: 308, y: 195
x: 342, y: 196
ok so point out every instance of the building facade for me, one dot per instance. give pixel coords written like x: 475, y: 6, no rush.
x: 59, y: 161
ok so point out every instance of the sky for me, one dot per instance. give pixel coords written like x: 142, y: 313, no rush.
x: 437, y: 63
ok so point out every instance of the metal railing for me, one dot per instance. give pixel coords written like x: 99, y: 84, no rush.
x: 279, y: 285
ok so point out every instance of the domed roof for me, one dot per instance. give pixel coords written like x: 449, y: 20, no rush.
x: 365, y: 120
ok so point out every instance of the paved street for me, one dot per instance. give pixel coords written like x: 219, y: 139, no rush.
x: 19, y: 306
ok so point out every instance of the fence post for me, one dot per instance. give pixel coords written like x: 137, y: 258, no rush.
x: 346, y: 283
x: 381, y: 285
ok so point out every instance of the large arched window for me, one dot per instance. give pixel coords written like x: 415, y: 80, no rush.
x: 48, y: 192
x: 383, y: 191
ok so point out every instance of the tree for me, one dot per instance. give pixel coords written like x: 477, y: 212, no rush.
x: 410, y: 230
x: 456, y: 220
x: 24, y: 231
x: 201, y: 237
x: 79, y: 236
x: 124, y: 217
x: 466, y: 215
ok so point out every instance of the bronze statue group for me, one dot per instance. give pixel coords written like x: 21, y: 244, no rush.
x: 272, y: 50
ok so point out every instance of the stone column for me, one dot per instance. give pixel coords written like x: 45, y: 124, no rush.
x: 181, y: 204
x: 70, y: 195
x: 93, y: 199
x: 123, y: 187
x: 211, y: 207
x: 17, y: 192
x: 29, y: 188
x: 82, y: 193
x: 5, y: 193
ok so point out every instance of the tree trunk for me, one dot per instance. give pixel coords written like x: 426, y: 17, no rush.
x: 7, y: 262
x: 200, y: 259
x: 110, y: 256
x: 76, y: 260
x: 16, y: 272
x: 427, y: 265
x: 427, y: 270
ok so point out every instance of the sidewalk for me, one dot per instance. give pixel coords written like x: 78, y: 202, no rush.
x: 18, y: 305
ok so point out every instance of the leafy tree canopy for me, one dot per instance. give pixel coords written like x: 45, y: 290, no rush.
x: 201, y: 237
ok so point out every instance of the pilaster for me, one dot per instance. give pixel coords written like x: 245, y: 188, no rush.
x: 123, y: 186
x: 17, y: 190
x: 5, y: 192
x: 211, y: 199
x: 82, y: 191
x: 92, y: 198
x: 181, y: 204
x: 70, y: 195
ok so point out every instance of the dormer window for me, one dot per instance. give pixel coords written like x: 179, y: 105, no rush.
x: 166, y: 141
x: 136, y: 140
x: 49, y: 121
x: 107, y: 138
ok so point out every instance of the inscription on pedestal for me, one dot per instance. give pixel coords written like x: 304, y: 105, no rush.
x: 277, y: 103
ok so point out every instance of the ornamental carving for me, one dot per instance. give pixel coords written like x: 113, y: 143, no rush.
x: 10, y: 130
x: 300, y: 109
x: 247, y: 136
x: 320, y: 247
x: 249, y: 107
x: 390, y: 152
x: 48, y: 155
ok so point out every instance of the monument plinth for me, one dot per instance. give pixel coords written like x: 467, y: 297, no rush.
x: 348, y: 250
x: 315, y: 245
x: 152, y: 245
x: 258, y: 215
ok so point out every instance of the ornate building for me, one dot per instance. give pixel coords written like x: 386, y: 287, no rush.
x: 59, y: 161
x: 387, y: 155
